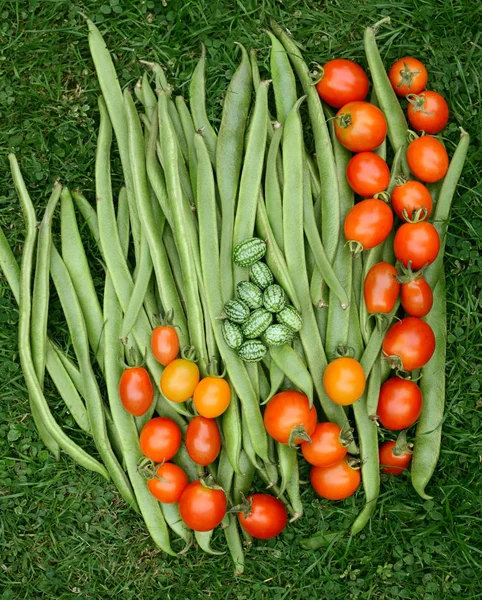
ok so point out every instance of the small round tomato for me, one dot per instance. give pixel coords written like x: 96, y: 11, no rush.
x: 410, y: 197
x: 399, y: 404
x: 165, y: 344
x: 427, y: 158
x: 160, y: 439
x: 179, y: 380
x: 417, y: 297
x: 344, y: 380
x: 168, y: 484
x: 391, y: 463
x: 136, y: 391
x: 288, y: 413
x: 202, y: 508
x: 408, y: 76
x: 368, y: 174
x: 342, y: 81
x: 416, y: 242
x: 428, y: 112
x: 360, y: 126
x: 326, y: 447
x: 265, y: 518
x: 337, y: 482
x: 409, y: 344
x: 381, y: 288
x: 369, y: 223
x: 212, y: 396
x: 203, y: 440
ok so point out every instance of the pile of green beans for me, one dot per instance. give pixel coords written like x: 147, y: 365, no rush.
x: 190, y: 195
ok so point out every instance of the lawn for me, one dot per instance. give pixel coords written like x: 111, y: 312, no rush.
x: 65, y: 533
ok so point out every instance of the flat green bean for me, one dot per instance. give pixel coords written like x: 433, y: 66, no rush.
x: 288, y: 361
x: 274, y: 207
x: 284, y: 83
x: 287, y: 462
x: 88, y: 212
x: 197, y: 96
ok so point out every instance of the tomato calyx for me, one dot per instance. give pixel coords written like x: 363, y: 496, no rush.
x: 402, y: 446
x: 344, y: 351
x: 213, y: 370
x: 384, y: 196
x: 147, y: 468
x: 418, y: 101
x: 419, y: 214
x: 406, y: 76
x: 346, y: 435
x: 412, y: 135
x: 244, y: 507
x: 406, y: 275
x: 317, y: 74
x: 190, y: 353
x: 133, y: 358
x: 207, y: 481
x: 356, y: 247
x: 353, y: 462
x: 298, y: 433
x: 344, y: 120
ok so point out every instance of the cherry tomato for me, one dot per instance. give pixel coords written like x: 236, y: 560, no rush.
x: 169, y: 484
x: 266, y: 517
x: 427, y: 158
x: 416, y: 242
x: 286, y: 411
x: 160, y: 439
x: 369, y: 222
x: 337, y: 482
x: 212, y: 396
x: 203, y: 440
x: 408, y: 76
x: 368, y: 174
x: 343, y: 81
x: 412, y: 341
x: 325, y: 448
x: 136, y: 391
x: 165, y: 344
x: 344, y: 380
x: 417, y: 297
x: 202, y: 508
x: 380, y: 288
x: 411, y: 196
x: 392, y: 464
x: 179, y: 380
x: 360, y: 126
x: 399, y: 404
x: 428, y: 112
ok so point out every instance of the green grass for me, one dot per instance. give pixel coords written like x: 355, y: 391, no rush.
x: 65, y: 533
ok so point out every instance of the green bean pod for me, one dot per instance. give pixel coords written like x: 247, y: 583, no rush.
x: 235, y: 546
x: 288, y: 361
x: 174, y: 263
x: 243, y: 479
x: 382, y: 148
x: 274, y: 207
x: 88, y: 212
x: 284, y: 83
x: 287, y: 461
x: 123, y: 225
x: 197, y: 100
x: 294, y: 492
x: 173, y: 519
x: 231, y: 424
x: 225, y: 472
x: 189, y: 131
x: 248, y: 443
x: 203, y: 538
x: 375, y: 381
x: 264, y: 384
x: 276, y: 377
x: 374, y: 345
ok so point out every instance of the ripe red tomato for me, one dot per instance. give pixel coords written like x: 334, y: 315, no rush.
x: 399, y: 404
x: 412, y: 341
x: 381, y: 288
x: 416, y: 242
x: 417, y: 297
x: 337, y: 482
x: 427, y: 158
x: 203, y: 440
x: 179, y: 380
x: 136, y: 391
x: 165, y: 344
x: 342, y: 81
x: 410, y: 197
x: 202, y: 508
x: 344, y: 380
x: 212, y: 397
x: 368, y: 174
x: 266, y: 517
x: 169, y: 484
x: 369, y: 222
x: 408, y: 76
x: 160, y: 439
x: 428, y: 112
x: 326, y: 447
x: 288, y: 411
x: 390, y: 462
x: 360, y: 126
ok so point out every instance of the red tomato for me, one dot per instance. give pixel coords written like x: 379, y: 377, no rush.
x: 287, y: 411
x: 336, y: 482
x: 179, y: 380
x: 410, y: 197
x: 136, y: 391
x: 160, y: 439
x: 342, y: 81
x: 326, y: 447
x: 416, y: 242
x: 428, y: 112
x: 408, y: 76
x: 266, y: 517
x: 203, y: 440
x: 169, y: 484
x: 380, y: 288
x: 202, y: 508
x: 412, y: 341
x: 399, y: 404
x: 369, y: 222
x: 165, y: 344
x: 360, y: 126
x: 368, y: 174
x: 391, y: 463
x: 212, y: 396
x: 427, y: 158
x: 344, y: 380
x: 417, y: 297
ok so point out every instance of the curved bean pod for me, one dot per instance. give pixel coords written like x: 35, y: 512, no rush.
x: 284, y: 83
x: 88, y: 212
x: 197, y: 100
x: 235, y: 546
x: 231, y: 421
x: 173, y: 519
x: 288, y: 361
x: 189, y: 131
x: 294, y: 492
x: 243, y: 479
x: 287, y: 463
x: 272, y: 189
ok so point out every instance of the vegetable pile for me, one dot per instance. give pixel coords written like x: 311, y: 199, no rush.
x: 250, y: 307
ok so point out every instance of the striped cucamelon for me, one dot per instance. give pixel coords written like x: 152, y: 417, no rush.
x: 256, y: 323
x: 248, y: 252
x: 290, y: 317
x: 233, y: 336
x: 274, y: 298
x: 278, y: 334
x: 250, y: 293
x: 260, y: 274
x: 236, y: 310
x: 252, y: 351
